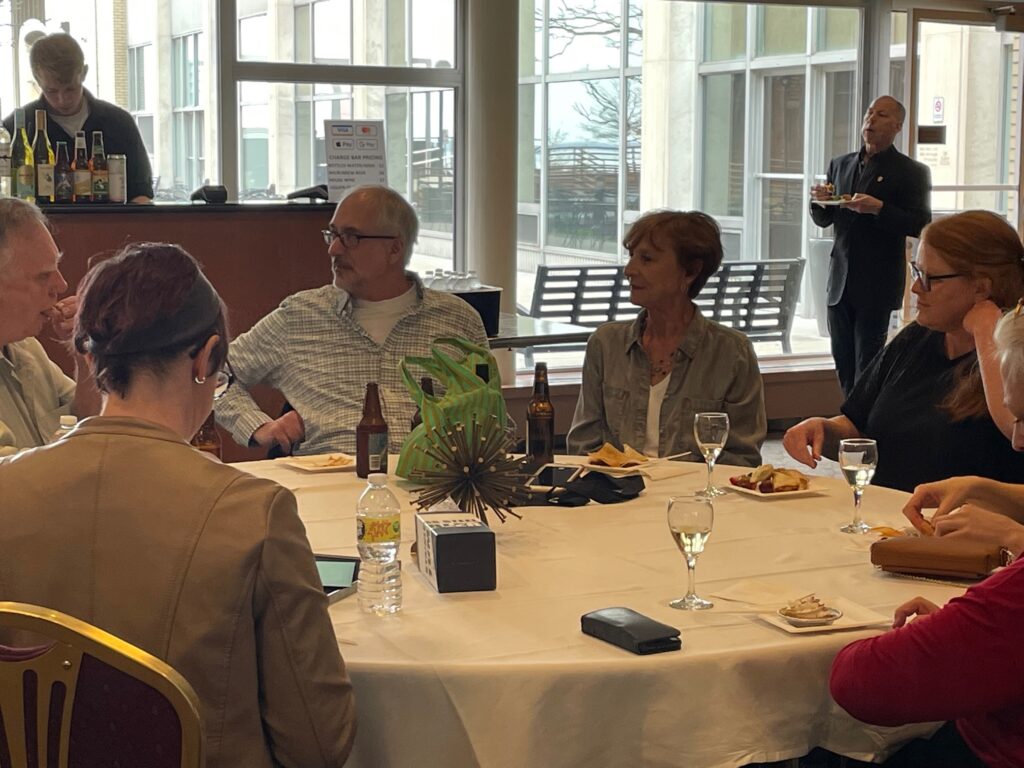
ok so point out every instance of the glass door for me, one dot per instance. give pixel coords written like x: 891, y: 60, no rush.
x: 781, y: 182
x: 964, y: 105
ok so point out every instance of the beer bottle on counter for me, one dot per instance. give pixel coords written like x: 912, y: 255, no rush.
x: 83, y: 175
x: 427, y: 385
x: 540, y: 420
x: 207, y: 439
x: 22, y: 166
x: 63, y: 176
x: 371, y: 436
x: 100, y: 172
x: 42, y: 156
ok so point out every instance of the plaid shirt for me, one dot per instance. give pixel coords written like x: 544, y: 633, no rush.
x: 313, y: 351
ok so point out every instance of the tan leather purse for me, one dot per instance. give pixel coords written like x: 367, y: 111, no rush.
x: 936, y: 556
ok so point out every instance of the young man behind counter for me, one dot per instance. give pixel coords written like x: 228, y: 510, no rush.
x: 59, y: 68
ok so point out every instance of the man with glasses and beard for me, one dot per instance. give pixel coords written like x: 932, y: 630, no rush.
x: 320, y: 347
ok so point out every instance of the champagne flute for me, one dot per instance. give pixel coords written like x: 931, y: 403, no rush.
x: 710, y: 431
x: 857, y: 458
x: 690, y: 519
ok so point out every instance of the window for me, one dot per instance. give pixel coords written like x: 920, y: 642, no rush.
x: 139, y: 67
x: 187, y: 72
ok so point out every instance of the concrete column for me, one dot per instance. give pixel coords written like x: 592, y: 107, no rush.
x: 490, y: 132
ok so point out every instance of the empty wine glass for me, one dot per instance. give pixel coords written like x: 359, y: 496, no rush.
x: 690, y: 518
x: 710, y: 431
x: 857, y: 458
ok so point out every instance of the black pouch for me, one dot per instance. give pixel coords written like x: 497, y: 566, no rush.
x: 605, y: 489
x: 633, y: 631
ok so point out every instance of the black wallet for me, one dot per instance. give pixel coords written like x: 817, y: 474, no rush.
x: 633, y: 631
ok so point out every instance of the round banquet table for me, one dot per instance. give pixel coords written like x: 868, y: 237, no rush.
x: 507, y: 679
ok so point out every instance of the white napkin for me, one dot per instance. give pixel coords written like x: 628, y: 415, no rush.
x: 757, y: 593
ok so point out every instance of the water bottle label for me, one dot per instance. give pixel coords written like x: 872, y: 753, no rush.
x: 377, y: 452
x: 379, y: 530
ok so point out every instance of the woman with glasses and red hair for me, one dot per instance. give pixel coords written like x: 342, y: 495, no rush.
x: 123, y: 524
x: 925, y: 398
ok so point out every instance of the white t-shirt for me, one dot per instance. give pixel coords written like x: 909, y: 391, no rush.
x: 377, y: 318
x: 72, y: 124
x: 654, y: 401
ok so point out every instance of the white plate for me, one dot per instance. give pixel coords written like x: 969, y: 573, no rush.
x: 318, y: 463
x: 834, y: 614
x: 854, y: 617
x: 778, y: 495
x: 829, y: 203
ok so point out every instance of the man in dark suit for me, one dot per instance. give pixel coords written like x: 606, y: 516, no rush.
x: 876, y: 198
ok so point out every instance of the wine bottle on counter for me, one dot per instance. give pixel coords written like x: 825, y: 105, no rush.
x: 83, y: 175
x: 6, y: 172
x: 540, y: 420
x: 43, y: 158
x: 100, y: 172
x: 63, y: 176
x: 23, y: 168
x: 371, y: 435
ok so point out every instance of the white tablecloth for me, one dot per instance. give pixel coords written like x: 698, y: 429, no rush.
x: 506, y: 678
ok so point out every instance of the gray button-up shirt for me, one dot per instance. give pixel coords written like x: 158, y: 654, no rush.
x: 714, y: 369
x: 313, y: 351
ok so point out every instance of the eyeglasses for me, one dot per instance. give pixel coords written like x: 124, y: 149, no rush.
x: 350, y: 239
x: 225, y: 378
x: 926, y: 280
x: 1017, y: 309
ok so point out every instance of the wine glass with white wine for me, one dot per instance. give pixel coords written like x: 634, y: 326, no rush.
x: 858, y: 458
x: 710, y: 431
x: 690, y: 519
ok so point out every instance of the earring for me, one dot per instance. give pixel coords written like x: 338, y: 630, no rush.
x: 198, y: 380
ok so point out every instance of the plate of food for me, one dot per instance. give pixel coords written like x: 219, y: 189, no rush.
x: 325, y: 462
x: 612, y: 461
x: 769, y: 482
x: 833, y: 201
x: 837, y: 614
x: 809, y: 611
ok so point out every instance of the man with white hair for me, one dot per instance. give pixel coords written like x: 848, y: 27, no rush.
x: 321, y: 347
x: 34, y: 392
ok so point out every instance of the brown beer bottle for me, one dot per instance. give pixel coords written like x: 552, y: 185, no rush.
x: 100, y: 170
x: 371, y: 436
x: 427, y: 385
x: 540, y: 421
x: 63, y: 176
x: 83, y: 174
x: 207, y: 438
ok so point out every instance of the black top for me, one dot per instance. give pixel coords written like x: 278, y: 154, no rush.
x: 896, y: 402
x: 120, y: 137
x: 868, y: 258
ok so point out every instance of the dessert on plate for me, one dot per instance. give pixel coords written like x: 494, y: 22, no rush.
x: 768, y: 479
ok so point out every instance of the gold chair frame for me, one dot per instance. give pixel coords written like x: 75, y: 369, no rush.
x: 72, y: 638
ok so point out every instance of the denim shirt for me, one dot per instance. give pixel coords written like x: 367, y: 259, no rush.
x: 714, y: 369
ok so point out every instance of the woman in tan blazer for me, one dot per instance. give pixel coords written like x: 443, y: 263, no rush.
x: 123, y: 524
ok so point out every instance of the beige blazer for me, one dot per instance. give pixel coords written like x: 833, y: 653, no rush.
x: 126, y: 526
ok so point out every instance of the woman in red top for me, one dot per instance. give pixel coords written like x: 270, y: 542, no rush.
x: 961, y: 663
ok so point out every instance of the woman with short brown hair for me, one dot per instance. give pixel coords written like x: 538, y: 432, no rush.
x: 645, y: 379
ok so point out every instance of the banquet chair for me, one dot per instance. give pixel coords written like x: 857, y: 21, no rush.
x: 85, y: 698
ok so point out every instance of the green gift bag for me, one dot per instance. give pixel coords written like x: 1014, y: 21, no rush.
x: 467, y: 399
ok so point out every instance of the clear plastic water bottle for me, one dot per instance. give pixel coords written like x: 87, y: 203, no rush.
x: 67, y: 423
x: 474, y: 280
x: 378, y: 532
x: 428, y: 278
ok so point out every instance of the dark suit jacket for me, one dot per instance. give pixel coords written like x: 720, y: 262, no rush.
x: 868, y: 261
